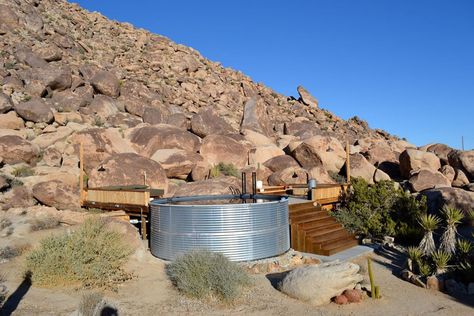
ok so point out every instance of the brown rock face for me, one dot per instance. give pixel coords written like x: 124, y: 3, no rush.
x: 260, y: 154
x: 177, y: 163
x: 307, y: 156
x: 207, y: 121
x: 360, y: 167
x: 11, y: 121
x: 221, y: 185
x: 129, y: 169
x: 330, y: 150
x: 306, y: 97
x: 8, y: 17
x: 448, y: 172
x: 454, y: 197
x: 413, y: 159
x: 106, y: 83
x: 460, y: 180
x: 256, y: 118
x: 289, y: 175
x: 56, y: 194
x: 463, y: 160
x: 35, y: 110
x: 14, y: 149
x: 281, y: 162
x: 219, y: 148
x: 428, y: 179
x: 103, y: 106
x: 440, y: 150
x: 148, y: 139
x: 5, y: 103
x: 320, y: 175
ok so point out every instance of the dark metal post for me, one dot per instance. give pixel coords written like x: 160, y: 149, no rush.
x: 244, y: 186
x: 254, y: 185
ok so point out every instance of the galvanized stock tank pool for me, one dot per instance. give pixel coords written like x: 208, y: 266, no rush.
x: 242, y: 227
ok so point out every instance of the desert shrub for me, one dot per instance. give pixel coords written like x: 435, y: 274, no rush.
x: 23, y: 171
x: 381, y: 209
x: 204, y: 274
x: 89, y: 303
x: 3, y: 290
x: 9, y: 252
x: 44, y: 222
x: 4, y: 223
x: 226, y: 169
x: 90, y: 257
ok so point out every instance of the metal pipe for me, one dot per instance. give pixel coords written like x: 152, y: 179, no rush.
x: 244, y: 185
x: 254, y: 186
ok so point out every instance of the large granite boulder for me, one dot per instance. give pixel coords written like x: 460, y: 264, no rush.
x: 219, y: 148
x: 460, y: 180
x: 360, y: 167
x: 106, y: 83
x: 307, y: 156
x: 291, y: 175
x: 148, y: 139
x: 281, y: 162
x: 463, y: 160
x: 35, y: 110
x: 306, y: 97
x: 440, y: 150
x: 448, y: 172
x: 320, y: 175
x: 412, y: 160
x: 256, y: 118
x: 317, y: 284
x: 57, y: 194
x: 177, y: 163
x: 221, y: 185
x: 11, y: 120
x: 330, y: 150
x: 260, y: 154
x: 128, y: 169
x: 454, y: 197
x: 207, y: 121
x: 427, y: 179
x: 14, y: 149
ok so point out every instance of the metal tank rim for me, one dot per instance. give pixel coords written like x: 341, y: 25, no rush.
x: 265, y: 198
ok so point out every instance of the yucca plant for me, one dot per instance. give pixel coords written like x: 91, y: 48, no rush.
x: 453, y: 217
x: 464, y: 248
x: 416, y: 256
x: 441, y: 259
x: 425, y: 269
x: 429, y: 224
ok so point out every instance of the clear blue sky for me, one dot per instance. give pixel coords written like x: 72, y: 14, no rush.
x: 404, y: 66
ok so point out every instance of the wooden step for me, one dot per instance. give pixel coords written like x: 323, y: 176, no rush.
x: 302, y: 211
x: 296, y: 207
x: 305, y: 217
x: 318, y: 223
x: 328, y: 235
x: 339, y: 246
x: 324, y: 227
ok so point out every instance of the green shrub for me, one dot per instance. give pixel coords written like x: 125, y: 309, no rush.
x: 204, y: 274
x: 381, y: 209
x: 23, y: 171
x: 91, y: 256
x: 226, y: 169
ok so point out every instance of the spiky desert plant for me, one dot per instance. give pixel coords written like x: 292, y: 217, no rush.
x: 441, y: 259
x: 453, y: 217
x: 429, y: 224
x: 425, y: 269
x: 464, y: 248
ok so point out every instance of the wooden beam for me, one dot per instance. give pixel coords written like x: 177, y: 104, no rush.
x: 348, y: 163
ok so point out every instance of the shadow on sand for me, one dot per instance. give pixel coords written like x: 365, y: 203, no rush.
x: 15, y: 298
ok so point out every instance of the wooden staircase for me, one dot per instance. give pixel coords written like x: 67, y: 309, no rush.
x: 313, y: 230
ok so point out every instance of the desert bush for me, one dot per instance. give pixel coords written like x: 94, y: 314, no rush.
x: 23, y: 171
x: 204, y: 274
x: 226, y: 169
x: 89, y: 303
x: 381, y: 209
x: 89, y: 257
x: 9, y: 252
x: 44, y: 222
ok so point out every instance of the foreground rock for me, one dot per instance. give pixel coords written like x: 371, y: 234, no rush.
x: 306, y: 97
x: 57, y: 194
x: 218, y: 148
x: 454, y: 197
x: 360, y: 167
x: 427, y: 179
x: 412, y: 160
x: 317, y: 284
x: 14, y: 149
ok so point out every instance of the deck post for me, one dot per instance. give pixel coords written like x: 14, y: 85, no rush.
x: 348, y: 163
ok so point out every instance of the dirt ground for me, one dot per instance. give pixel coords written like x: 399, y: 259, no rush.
x: 151, y: 293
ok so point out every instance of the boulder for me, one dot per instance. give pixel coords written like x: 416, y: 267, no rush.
x: 463, y: 160
x: 320, y: 175
x: 291, y: 175
x: 49, y: 52
x: 260, y: 154
x: 103, y: 106
x: 281, y: 162
x: 317, y: 284
x: 453, y: 197
x: 52, y: 157
x: 262, y: 173
x: 256, y: 118
x: 99, y: 144
x: 123, y: 120
x: 35, y: 110
x: 306, y: 97
x: 200, y: 171
x: 207, y: 121
x: 306, y: 156
x: 18, y: 196
x: 57, y: 194
x: 219, y: 148
x: 14, y: 149
x: 301, y: 128
x: 8, y: 17
x: 427, y: 179
x: 128, y: 169
x: 448, y: 172
x: 360, y: 167
x: 177, y: 163
x: 5, y: 103
x: 68, y: 101
x: 47, y: 139
x: 3, y: 183
x: 380, y: 152
x: 257, y: 139
x: 148, y: 139
x: 353, y: 296
x: 106, y: 83
x: 179, y: 120
x: 11, y: 120
x: 440, y: 150
x: 133, y: 105
x: 460, y: 180
x: 221, y: 185
x: 330, y: 150
x: 53, y: 77
x: 412, y: 160
x: 155, y: 115
x: 66, y: 117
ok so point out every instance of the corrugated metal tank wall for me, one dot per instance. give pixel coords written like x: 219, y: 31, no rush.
x: 241, y: 231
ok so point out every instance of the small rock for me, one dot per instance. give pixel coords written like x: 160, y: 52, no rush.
x: 353, y: 296
x: 434, y: 283
x: 341, y: 300
x: 366, y: 241
x: 388, y: 239
x: 406, y: 275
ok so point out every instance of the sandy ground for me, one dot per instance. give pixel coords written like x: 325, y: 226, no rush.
x: 150, y: 293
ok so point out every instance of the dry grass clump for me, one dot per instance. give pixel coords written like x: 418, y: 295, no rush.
x: 42, y: 223
x: 3, y: 290
x: 23, y: 171
x: 89, y: 303
x: 90, y: 257
x: 9, y: 252
x: 203, y: 274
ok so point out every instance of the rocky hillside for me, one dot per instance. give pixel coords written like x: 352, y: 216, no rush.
x: 140, y: 103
